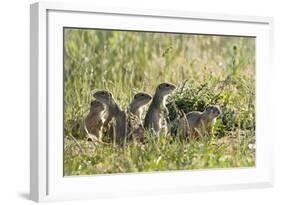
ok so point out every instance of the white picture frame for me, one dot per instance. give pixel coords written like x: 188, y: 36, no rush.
x: 47, y: 182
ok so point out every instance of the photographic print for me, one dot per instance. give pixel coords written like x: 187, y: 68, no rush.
x: 141, y: 101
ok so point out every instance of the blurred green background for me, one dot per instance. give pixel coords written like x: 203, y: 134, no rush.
x: 207, y: 69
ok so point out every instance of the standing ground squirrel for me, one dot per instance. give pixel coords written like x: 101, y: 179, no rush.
x: 135, y: 126
x: 94, y: 121
x: 153, y: 119
x: 112, y: 112
x: 199, y: 122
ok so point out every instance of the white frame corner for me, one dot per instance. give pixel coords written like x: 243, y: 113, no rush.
x: 39, y: 94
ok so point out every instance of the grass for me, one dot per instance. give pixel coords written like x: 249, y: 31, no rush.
x: 206, y: 69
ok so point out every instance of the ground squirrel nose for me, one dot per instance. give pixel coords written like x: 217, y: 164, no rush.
x: 99, y: 93
x: 166, y: 86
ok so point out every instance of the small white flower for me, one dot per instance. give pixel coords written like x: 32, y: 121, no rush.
x: 252, y: 146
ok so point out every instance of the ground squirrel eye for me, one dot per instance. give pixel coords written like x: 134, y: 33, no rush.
x: 167, y: 85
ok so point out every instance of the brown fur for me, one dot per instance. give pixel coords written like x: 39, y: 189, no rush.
x: 93, y: 122
x: 154, y: 117
x: 135, y: 126
x: 113, y: 111
x: 198, y: 123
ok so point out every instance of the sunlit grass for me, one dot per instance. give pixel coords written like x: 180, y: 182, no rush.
x: 207, y: 70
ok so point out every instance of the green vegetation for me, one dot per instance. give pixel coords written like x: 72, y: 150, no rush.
x: 207, y: 70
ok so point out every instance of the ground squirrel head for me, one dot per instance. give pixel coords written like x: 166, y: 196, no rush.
x: 140, y: 99
x: 164, y: 89
x: 104, y: 96
x: 213, y: 111
x: 96, y: 106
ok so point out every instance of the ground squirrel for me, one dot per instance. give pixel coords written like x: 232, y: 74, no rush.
x: 94, y: 121
x: 197, y: 123
x: 113, y: 111
x: 135, y: 126
x: 153, y: 119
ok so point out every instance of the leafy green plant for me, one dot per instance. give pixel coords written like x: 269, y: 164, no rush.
x: 206, y: 69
